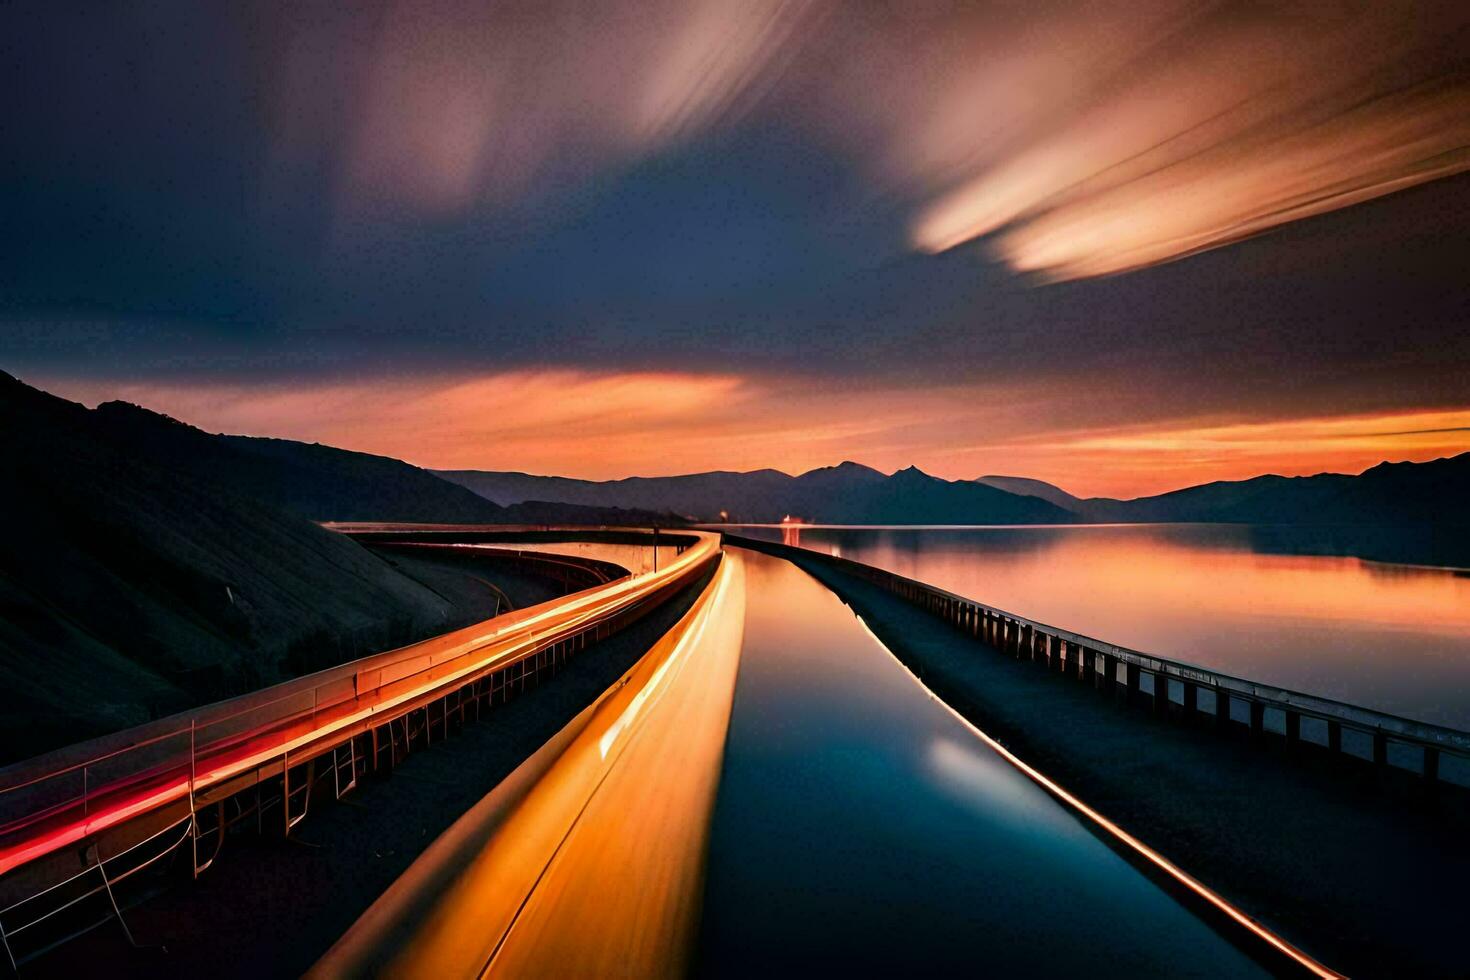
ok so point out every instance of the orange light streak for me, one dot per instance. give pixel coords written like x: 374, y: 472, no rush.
x: 621, y: 797
x: 1139, y: 847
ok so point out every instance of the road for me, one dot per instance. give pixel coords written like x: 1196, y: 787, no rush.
x: 845, y: 821
x: 587, y: 860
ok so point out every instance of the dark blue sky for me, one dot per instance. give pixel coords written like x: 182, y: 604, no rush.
x: 197, y: 194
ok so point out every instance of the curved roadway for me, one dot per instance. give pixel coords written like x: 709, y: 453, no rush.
x: 858, y: 826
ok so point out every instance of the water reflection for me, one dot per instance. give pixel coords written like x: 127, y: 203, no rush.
x: 860, y: 828
x: 1237, y: 598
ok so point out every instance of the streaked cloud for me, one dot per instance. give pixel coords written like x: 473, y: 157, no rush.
x: 461, y: 103
x: 683, y: 234
x: 1085, y: 140
x: 1209, y: 125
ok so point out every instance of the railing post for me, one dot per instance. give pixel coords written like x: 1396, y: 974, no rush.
x: 1222, y: 707
x: 1258, y: 719
x: 1293, y: 727
x: 1161, y: 692
x: 1191, y: 699
x: 1134, y: 674
x: 194, y: 817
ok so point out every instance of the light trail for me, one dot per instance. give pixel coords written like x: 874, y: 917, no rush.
x: 1158, y: 860
x: 380, y: 687
x: 621, y: 797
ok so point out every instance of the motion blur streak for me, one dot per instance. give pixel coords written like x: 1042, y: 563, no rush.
x: 622, y: 797
x: 469, y: 102
x: 1088, y: 139
x: 1220, y: 124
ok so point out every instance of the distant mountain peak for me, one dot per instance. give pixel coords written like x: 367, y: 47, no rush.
x: 1028, y: 487
x: 846, y: 468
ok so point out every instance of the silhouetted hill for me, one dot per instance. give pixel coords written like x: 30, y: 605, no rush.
x: 1389, y: 493
x: 1027, y: 487
x: 325, y: 483
x: 845, y: 494
x: 133, y: 586
x: 318, y: 482
x: 550, y: 512
x: 698, y: 495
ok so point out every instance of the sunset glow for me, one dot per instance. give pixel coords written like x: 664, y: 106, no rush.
x: 607, y: 240
x: 606, y: 426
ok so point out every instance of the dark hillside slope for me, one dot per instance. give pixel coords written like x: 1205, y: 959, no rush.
x: 130, y: 589
x: 317, y: 482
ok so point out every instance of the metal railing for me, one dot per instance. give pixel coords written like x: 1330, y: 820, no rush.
x: 1382, y: 738
x: 93, y: 795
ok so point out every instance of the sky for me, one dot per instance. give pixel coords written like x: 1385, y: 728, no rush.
x: 1123, y: 247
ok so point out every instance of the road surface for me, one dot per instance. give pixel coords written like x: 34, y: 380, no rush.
x: 844, y: 822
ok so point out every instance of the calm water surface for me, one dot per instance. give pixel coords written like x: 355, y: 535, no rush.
x: 1245, y: 600
x: 860, y: 829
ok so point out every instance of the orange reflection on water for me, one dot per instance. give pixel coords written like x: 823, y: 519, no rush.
x: 588, y: 860
x: 1392, y: 636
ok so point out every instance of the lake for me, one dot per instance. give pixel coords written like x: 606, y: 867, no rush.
x: 1269, y: 604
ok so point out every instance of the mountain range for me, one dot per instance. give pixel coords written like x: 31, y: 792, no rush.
x: 1389, y: 493
x: 845, y: 494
